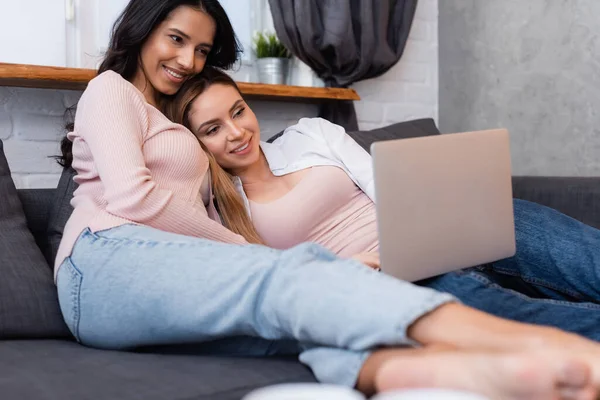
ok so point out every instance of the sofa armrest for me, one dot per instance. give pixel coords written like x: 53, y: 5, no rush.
x: 577, y: 197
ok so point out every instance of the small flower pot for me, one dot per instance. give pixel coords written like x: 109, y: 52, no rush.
x: 274, y: 71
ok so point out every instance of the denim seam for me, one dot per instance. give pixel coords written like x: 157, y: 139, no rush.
x: 76, y: 298
x: 537, y: 281
x: 587, y: 306
x: 143, y: 242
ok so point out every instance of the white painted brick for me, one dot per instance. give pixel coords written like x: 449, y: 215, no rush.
x: 40, y: 181
x: 19, y: 180
x: 299, y: 110
x: 35, y: 181
x: 420, y: 31
x: 71, y: 97
x: 32, y: 157
x: 6, y: 95
x: 371, y: 112
x: 38, y: 101
x: 420, y: 94
x: 6, y: 125
x: 410, y: 88
x: 38, y: 127
x: 376, y: 90
x: 266, y: 109
x: 418, y: 52
x: 409, y: 72
x: 274, y: 117
x: 404, y: 112
x: 427, y: 10
x: 269, y: 128
x: 271, y: 110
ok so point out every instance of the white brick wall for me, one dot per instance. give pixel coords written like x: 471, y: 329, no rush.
x: 30, y: 127
x: 31, y: 119
x: 409, y: 90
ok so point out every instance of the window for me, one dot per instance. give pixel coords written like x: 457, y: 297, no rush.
x: 33, y: 32
x: 244, y: 18
x: 89, y: 32
x: 76, y: 33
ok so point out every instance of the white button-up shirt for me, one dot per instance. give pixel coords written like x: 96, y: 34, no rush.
x: 316, y: 142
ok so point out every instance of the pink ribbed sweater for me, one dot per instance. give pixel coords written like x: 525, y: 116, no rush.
x: 135, y: 166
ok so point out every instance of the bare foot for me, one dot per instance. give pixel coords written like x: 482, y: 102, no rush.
x: 469, y: 329
x: 499, y: 376
x: 554, y: 340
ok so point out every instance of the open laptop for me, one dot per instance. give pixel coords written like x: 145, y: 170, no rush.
x: 443, y: 202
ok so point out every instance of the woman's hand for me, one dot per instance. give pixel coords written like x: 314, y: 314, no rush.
x: 371, y: 260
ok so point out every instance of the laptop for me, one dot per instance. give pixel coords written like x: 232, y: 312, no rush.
x: 443, y: 202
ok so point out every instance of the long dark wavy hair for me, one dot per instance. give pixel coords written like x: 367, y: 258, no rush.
x: 132, y: 29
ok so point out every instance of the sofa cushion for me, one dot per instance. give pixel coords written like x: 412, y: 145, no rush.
x: 60, y: 370
x: 577, y: 197
x: 400, y: 130
x: 60, y: 211
x: 36, y: 206
x: 28, y: 298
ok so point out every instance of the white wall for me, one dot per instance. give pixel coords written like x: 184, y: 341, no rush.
x: 533, y: 69
x: 91, y: 29
x: 31, y: 119
x: 34, y: 37
x: 410, y: 89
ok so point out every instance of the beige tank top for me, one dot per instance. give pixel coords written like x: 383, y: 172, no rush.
x: 325, y: 207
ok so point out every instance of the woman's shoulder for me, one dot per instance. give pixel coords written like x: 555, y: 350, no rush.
x: 110, y: 83
x: 316, y: 125
x: 110, y: 91
x: 107, y: 78
x: 107, y: 95
x: 318, y: 129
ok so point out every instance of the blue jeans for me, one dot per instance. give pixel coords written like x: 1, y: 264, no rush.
x: 554, y: 278
x: 134, y: 286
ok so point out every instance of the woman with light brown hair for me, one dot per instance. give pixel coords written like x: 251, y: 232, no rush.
x: 314, y: 183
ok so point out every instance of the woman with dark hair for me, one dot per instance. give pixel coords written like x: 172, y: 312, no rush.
x: 144, y: 259
x: 135, y: 25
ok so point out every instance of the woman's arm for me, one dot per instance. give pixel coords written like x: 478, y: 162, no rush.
x: 112, y: 118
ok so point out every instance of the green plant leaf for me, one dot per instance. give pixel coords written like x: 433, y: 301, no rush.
x: 268, y: 45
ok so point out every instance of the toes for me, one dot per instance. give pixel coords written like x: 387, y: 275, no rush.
x: 574, y: 375
x: 570, y: 394
x: 588, y: 393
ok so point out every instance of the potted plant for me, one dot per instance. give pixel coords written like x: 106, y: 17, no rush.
x: 272, y: 59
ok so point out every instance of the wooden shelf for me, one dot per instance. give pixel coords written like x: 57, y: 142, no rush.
x: 77, y: 78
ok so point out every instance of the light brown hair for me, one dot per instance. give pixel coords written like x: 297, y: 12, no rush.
x: 228, y: 201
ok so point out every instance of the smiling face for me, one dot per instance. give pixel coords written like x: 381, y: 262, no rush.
x: 226, y: 126
x: 174, y: 51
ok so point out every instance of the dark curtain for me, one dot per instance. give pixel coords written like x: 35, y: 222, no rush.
x: 344, y: 41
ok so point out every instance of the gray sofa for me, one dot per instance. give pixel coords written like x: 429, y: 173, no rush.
x: 47, y: 364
